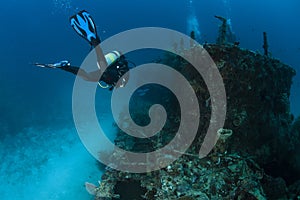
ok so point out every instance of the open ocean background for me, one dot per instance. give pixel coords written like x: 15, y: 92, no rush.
x: 41, y: 154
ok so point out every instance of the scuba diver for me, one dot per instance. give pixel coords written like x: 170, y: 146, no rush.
x: 114, y: 63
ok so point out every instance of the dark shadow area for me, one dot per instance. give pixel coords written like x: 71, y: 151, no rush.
x: 129, y: 190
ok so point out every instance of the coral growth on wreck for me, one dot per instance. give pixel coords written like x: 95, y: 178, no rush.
x: 255, y: 156
x: 251, y: 148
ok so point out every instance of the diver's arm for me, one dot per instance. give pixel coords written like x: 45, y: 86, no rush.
x: 92, y: 76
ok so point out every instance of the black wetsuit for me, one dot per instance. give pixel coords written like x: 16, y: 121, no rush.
x: 111, y: 75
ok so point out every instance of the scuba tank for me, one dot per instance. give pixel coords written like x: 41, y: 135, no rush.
x: 117, y: 66
x: 112, y: 57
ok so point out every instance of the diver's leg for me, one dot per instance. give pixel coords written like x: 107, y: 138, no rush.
x: 84, y: 25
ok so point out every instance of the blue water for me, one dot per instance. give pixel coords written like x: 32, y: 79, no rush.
x: 41, y: 155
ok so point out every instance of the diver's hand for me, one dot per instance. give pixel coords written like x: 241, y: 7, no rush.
x: 44, y: 65
x: 61, y: 64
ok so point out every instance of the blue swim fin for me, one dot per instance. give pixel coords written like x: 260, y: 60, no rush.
x: 84, y: 25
